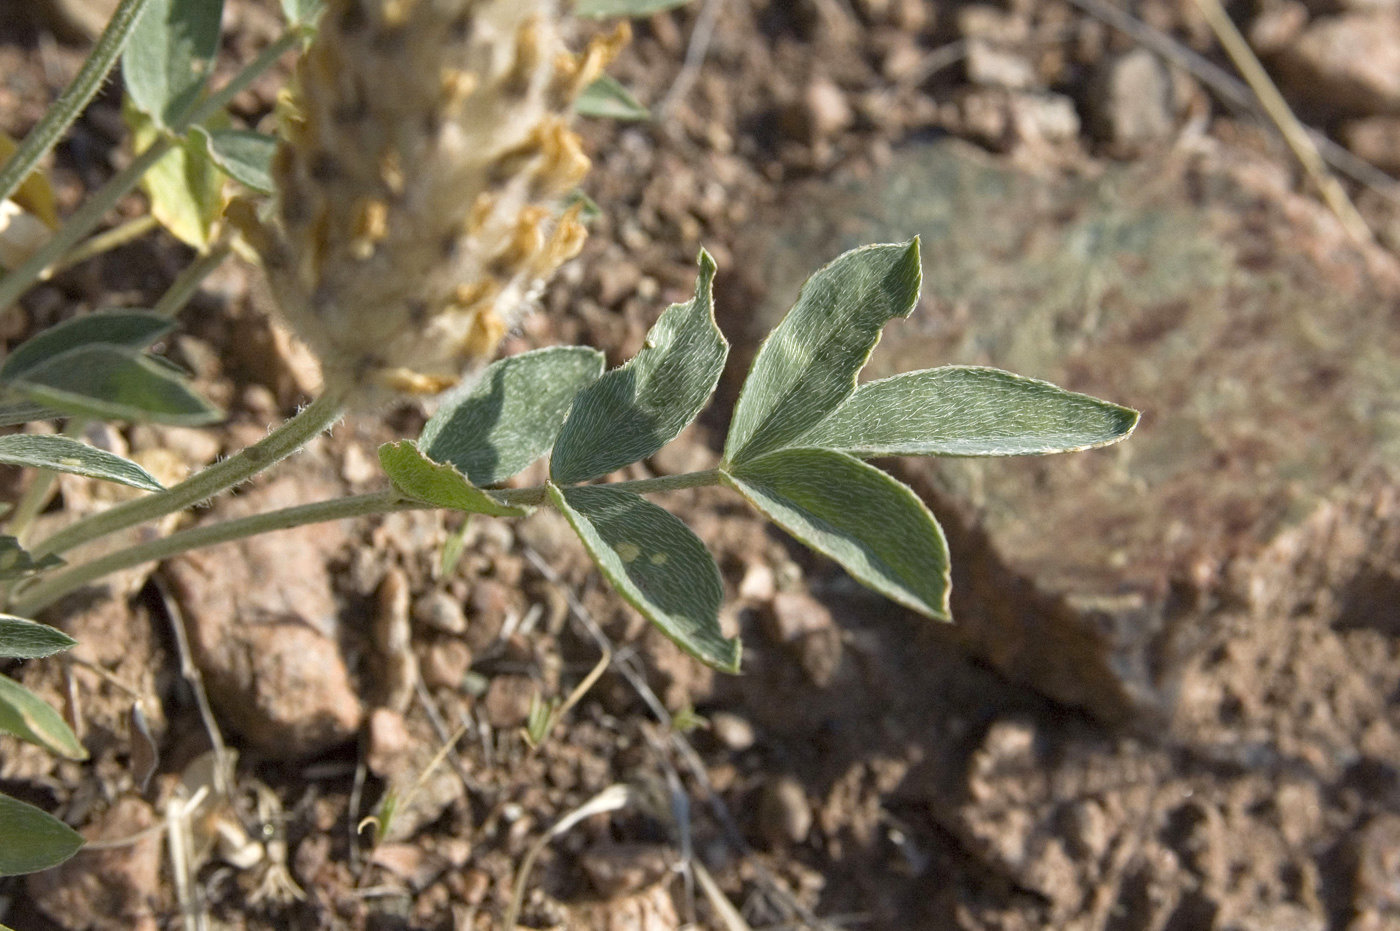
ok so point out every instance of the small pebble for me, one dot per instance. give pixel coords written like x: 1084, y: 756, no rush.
x: 784, y: 815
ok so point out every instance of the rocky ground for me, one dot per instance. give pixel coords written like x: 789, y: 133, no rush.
x: 1170, y: 700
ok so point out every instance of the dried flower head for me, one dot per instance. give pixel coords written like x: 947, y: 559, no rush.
x: 424, y: 158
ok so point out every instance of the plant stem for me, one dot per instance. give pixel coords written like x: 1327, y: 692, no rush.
x: 105, y: 198
x: 104, y: 241
x: 55, y: 586
x: 276, y: 446
x: 190, y: 278
x: 46, y: 133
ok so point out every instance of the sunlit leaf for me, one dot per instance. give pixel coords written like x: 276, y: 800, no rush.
x: 808, y: 364
x: 875, y: 527
x: 21, y: 638
x: 656, y: 563
x: 302, y: 12
x: 64, y: 454
x: 512, y: 415
x: 437, y: 483
x: 968, y: 411
x: 606, y: 99
x: 185, y: 186
x: 32, y: 840
x: 28, y: 717
x: 244, y: 155
x: 168, y: 57
x: 633, y: 411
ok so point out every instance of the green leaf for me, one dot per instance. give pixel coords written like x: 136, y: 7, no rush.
x: 634, y: 410
x: 17, y: 563
x: 21, y: 638
x: 656, y: 563
x: 63, y: 454
x: 185, y: 186
x: 26, y: 716
x: 168, y: 57
x: 302, y: 12
x: 133, y: 329
x: 32, y: 840
x: 605, y: 8
x: 244, y: 155
x: 512, y: 415
x: 808, y: 364
x: 606, y: 99
x: 108, y: 382
x: 417, y: 476
x: 18, y: 412
x: 968, y: 411
x: 875, y: 527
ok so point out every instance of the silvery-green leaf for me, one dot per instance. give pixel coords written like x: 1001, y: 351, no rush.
x: 600, y: 9
x: 26, y: 716
x: 512, y: 415
x: 875, y: 527
x: 656, y: 563
x: 168, y: 57
x: 17, y: 563
x: 634, y: 410
x: 32, y: 840
x: 808, y: 365
x: 21, y: 638
x: 607, y: 99
x: 14, y: 413
x: 244, y: 155
x: 133, y: 329
x: 968, y: 411
x: 113, y: 383
x: 437, y: 483
x: 64, y: 454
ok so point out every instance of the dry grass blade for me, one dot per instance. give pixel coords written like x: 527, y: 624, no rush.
x: 728, y: 915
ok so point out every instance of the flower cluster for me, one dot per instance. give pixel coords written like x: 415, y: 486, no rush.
x: 420, y: 180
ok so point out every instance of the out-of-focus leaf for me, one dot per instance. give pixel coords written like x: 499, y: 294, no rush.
x: 168, y: 57
x: 32, y: 840
x: 656, y: 563
x: 26, y: 716
x: 968, y: 411
x: 302, y: 12
x: 64, y: 454
x: 13, y: 413
x: 634, y: 410
x: 244, y: 155
x: 21, y: 638
x: 35, y: 193
x: 17, y: 563
x: 185, y: 186
x: 600, y: 9
x: 132, y: 329
x: 21, y: 235
x: 606, y: 99
x: 512, y: 415
x: 113, y: 383
x: 875, y: 527
x: 437, y: 483
x: 808, y: 364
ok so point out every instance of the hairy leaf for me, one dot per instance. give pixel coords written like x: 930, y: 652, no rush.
x: 32, y: 840
x: 968, y: 411
x: 875, y: 527
x: 64, y: 454
x: 26, y: 716
x: 110, y: 382
x: 133, y: 329
x: 808, y: 364
x: 512, y: 415
x: 634, y: 410
x: 437, y: 483
x: 21, y: 638
x: 168, y: 56
x: 657, y: 564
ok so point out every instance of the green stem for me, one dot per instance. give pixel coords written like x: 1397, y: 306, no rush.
x: 105, y: 241
x: 273, y: 448
x: 45, y: 135
x: 188, y: 281
x: 105, y: 198
x: 55, y: 586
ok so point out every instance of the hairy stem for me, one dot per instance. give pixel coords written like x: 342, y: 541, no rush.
x: 55, y: 586
x: 276, y: 446
x: 46, y: 133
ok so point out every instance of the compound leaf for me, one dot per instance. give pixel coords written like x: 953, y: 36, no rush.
x: 167, y: 59
x: 133, y: 329
x: 437, y: 483
x: 113, y: 382
x: 632, y: 411
x: 968, y: 411
x: 808, y: 364
x: 21, y: 638
x: 32, y: 840
x: 875, y: 527
x: 64, y: 454
x: 512, y: 415
x: 26, y: 716
x: 657, y: 564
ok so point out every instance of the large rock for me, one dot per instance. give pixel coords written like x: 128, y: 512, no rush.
x: 1262, y: 349
x: 1347, y: 65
